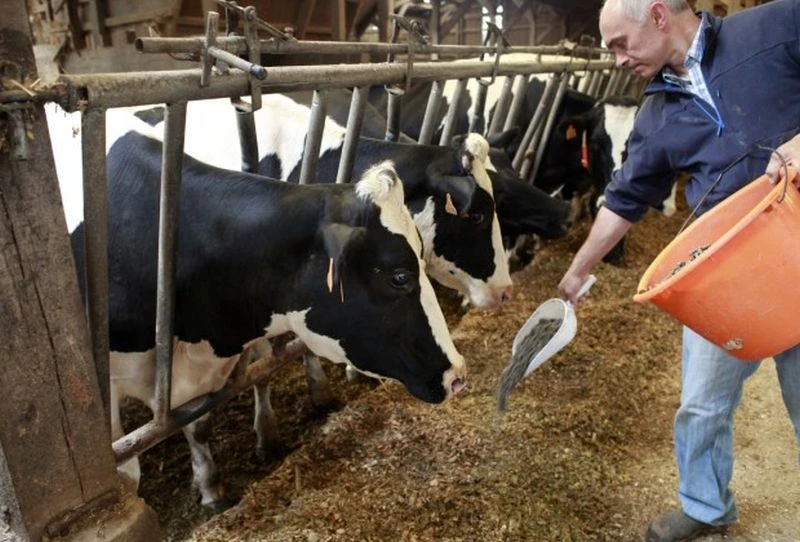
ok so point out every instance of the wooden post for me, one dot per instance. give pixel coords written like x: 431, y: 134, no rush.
x: 56, y: 462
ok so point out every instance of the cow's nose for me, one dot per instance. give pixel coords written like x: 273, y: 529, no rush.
x: 505, y: 295
x: 457, y: 385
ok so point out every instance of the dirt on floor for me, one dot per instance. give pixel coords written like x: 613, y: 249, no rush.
x: 584, y: 451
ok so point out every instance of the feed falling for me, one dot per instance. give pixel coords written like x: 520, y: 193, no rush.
x: 544, y: 330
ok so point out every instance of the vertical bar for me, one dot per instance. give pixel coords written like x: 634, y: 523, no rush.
x: 431, y: 113
x: 548, y: 127
x: 528, y: 140
x: 171, y: 165
x: 308, y: 168
x: 501, y: 108
x: 393, y: 102
x: 248, y: 141
x: 449, y: 119
x: 478, y: 108
x: 95, y: 213
x: 436, y: 18
x: 612, y: 83
x: 358, y: 104
x: 583, y: 86
x: 597, y: 77
x: 520, y: 87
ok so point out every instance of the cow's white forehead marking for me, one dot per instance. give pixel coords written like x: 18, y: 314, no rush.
x: 381, y: 185
x: 477, y: 145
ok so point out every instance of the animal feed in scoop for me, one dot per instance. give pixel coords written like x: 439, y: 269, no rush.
x: 544, y: 330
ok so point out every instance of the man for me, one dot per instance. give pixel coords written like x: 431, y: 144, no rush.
x: 723, y: 93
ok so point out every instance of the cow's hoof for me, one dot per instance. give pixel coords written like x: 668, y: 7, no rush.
x: 331, y: 405
x: 268, y: 452
x: 220, y: 505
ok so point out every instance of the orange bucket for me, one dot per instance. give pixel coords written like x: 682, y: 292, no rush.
x: 740, y: 289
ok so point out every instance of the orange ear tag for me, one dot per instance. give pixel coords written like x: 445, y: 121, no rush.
x: 572, y: 133
x: 449, y: 207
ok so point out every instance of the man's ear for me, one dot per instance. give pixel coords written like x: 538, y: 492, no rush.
x: 659, y: 13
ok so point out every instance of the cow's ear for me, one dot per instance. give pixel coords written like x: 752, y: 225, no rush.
x: 502, y: 140
x: 340, y: 239
x: 455, y: 193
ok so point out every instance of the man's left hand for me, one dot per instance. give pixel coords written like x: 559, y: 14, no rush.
x: 790, y: 151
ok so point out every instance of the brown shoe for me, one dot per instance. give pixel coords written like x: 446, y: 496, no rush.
x: 675, y: 526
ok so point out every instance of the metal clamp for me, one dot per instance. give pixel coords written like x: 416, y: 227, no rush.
x: 495, y: 34
x: 416, y: 35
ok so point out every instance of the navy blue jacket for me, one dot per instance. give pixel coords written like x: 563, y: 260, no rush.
x: 751, y: 65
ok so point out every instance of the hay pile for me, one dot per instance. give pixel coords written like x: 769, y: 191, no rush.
x: 568, y: 461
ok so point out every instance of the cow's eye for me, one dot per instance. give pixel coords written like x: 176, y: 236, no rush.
x: 400, y: 278
x: 476, y: 218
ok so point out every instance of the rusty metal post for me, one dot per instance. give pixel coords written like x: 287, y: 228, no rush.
x: 530, y: 138
x: 449, y: 119
x: 95, y: 213
x: 520, y: 87
x: 501, y: 107
x: 431, y: 113
x: 358, y: 104
x: 316, y: 125
x: 169, y: 208
x: 548, y: 127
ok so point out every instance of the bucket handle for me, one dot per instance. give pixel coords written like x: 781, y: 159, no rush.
x: 784, y: 165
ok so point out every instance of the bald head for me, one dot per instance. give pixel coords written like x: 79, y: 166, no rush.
x: 637, y: 10
x: 646, y: 35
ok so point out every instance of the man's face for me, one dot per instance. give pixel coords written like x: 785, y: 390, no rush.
x: 638, y: 47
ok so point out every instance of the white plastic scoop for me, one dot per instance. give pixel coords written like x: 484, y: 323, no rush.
x: 552, y: 309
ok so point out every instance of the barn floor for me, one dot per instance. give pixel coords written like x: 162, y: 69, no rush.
x: 584, y: 452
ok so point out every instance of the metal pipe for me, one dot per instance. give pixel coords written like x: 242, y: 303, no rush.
x: 520, y: 88
x: 528, y: 140
x: 583, y: 86
x: 358, y: 104
x: 126, y: 89
x: 237, y: 45
x: 153, y: 432
x: 594, y: 84
x: 431, y: 113
x: 449, y: 119
x: 259, y: 72
x: 95, y: 217
x: 501, y: 107
x: 548, y: 128
x: 171, y: 166
x: 477, y: 118
x: 613, y: 80
x: 393, y: 104
x: 248, y: 141
x: 316, y: 124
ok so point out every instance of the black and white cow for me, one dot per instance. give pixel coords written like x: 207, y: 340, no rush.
x: 448, y: 191
x: 522, y: 209
x: 586, y: 148
x: 340, y: 266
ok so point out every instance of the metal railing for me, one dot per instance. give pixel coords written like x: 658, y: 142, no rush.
x: 236, y: 77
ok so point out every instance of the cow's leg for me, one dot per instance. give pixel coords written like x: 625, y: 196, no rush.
x: 204, y: 470
x: 265, y: 423
x: 318, y: 385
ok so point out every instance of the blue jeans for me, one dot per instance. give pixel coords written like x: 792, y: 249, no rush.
x: 712, y: 382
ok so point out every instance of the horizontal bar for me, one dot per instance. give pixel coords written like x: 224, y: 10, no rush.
x: 141, y: 88
x: 238, y: 45
x: 151, y: 433
x: 259, y: 72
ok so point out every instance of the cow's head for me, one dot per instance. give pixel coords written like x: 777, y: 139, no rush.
x: 522, y: 208
x: 459, y: 226
x: 373, y: 307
